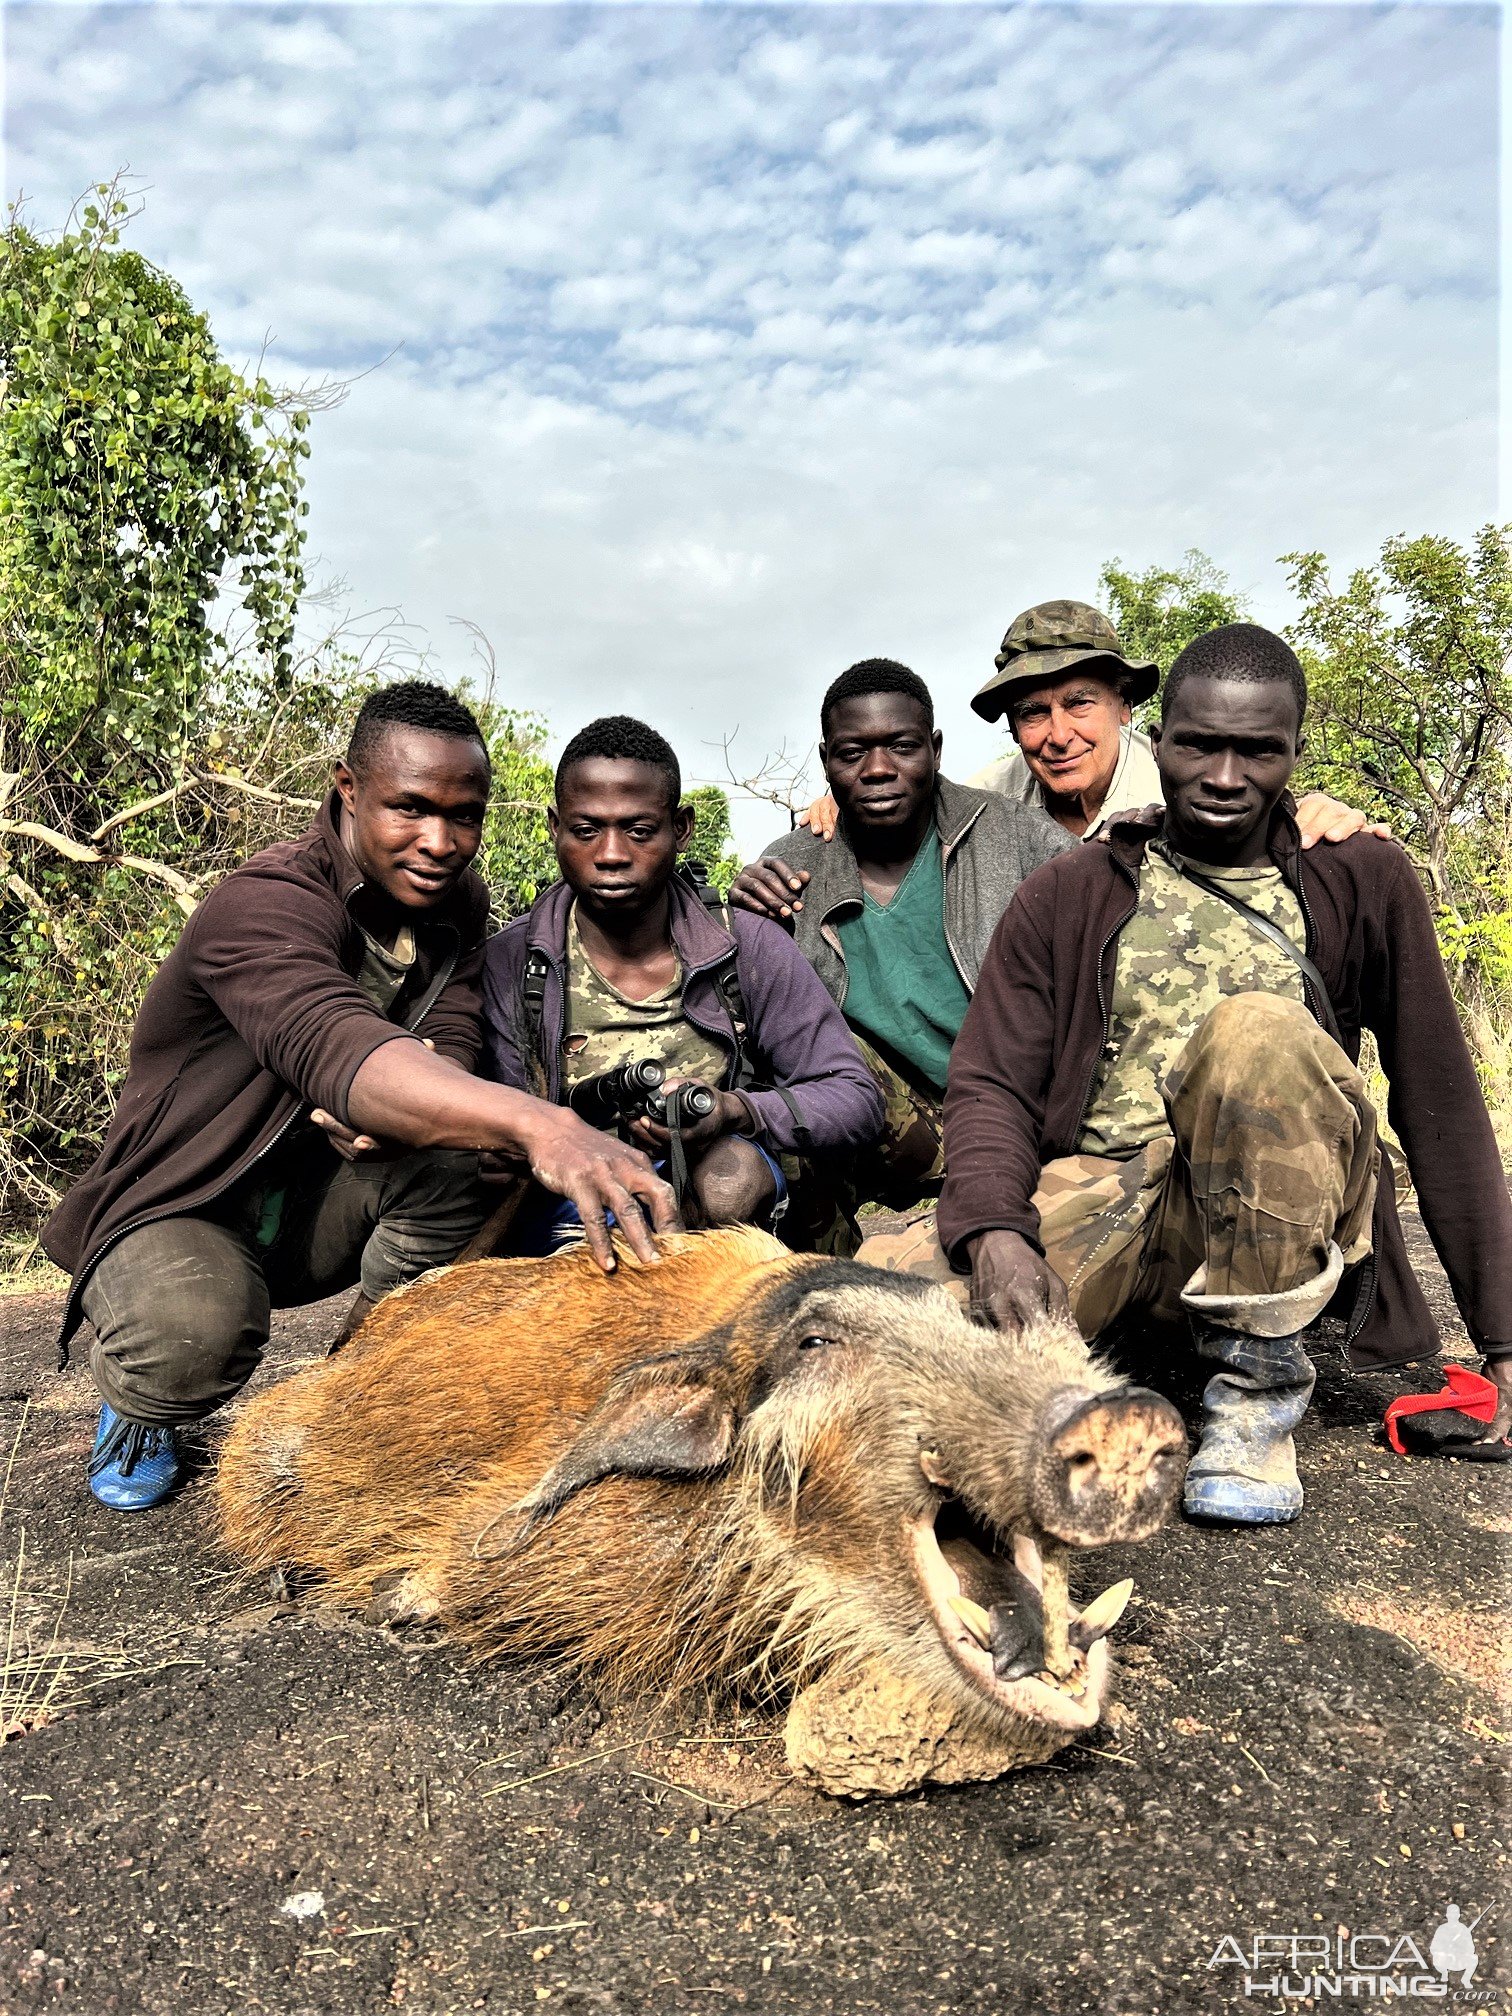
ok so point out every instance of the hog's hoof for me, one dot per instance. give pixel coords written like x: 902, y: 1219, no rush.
x: 876, y: 1733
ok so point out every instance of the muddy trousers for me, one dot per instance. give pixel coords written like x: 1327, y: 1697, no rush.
x: 1243, y: 1217
x: 181, y: 1308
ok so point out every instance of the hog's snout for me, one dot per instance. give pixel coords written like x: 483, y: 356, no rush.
x: 1109, y: 1466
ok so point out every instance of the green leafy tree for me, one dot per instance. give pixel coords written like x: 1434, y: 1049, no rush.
x: 711, y: 843
x: 1410, y: 669
x: 1409, y: 666
x: 143, y: 485
x: 1159, y: 611
x: 148, y: 494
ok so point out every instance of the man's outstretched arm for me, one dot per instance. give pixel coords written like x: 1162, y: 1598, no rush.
x: 402, y: 1092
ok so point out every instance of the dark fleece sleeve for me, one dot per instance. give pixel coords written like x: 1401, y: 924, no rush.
x: 999, y: 1076
x: 807, y: 1044
x: 266, y: 949
x: 503, y: 1060
x: 1437, y: 1108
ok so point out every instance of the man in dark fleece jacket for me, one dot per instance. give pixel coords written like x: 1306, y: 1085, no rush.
x: 1154, y: 1104
x: 622, y: 961
x: 300, y: 1113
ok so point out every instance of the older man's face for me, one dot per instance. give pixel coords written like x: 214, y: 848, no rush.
x: 1068, y: 732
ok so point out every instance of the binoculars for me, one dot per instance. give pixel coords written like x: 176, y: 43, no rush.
x: 633, y: 1091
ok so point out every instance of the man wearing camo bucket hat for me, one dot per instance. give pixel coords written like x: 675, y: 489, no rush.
x: 1068, y: 694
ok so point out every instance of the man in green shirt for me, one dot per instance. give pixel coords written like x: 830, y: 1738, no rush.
x: 904, y: 996
x: 895, y: 912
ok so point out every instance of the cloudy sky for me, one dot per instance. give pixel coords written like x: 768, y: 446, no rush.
x: 720, y: 346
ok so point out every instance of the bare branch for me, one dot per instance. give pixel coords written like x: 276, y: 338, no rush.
x: 258, y: 791
x: 39, y: 906
x: 136, y: 811
x: 779, y: 779
x: 76, y: 850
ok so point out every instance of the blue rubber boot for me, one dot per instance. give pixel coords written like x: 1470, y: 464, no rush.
x: 133, y: 1467
x: 1245, y: 1470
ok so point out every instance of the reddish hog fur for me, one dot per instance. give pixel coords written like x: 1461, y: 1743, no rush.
x: 726, y: 1468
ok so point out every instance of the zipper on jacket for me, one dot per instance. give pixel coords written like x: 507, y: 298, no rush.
x: 1105, y: 1004
x: 947, y: 855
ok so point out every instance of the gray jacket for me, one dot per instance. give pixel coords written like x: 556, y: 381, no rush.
x: 988, y: 845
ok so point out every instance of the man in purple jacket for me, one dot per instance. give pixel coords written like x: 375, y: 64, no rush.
x: 300, y: 1114
x: 622, y: 961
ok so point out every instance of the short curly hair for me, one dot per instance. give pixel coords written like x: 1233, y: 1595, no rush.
x: 621, y: 738
x: 875, y: 675
x: 410, y: 703
x: 1240, y: 651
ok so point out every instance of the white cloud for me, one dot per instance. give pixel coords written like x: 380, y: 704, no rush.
x: 735, y: 344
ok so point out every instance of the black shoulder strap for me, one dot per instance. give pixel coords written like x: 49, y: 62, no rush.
x: 726, y: 978
x: 1276, y: 936
x: 726, y: 984
x: 533, y: 997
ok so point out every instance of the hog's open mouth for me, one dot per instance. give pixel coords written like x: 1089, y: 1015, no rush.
x: 987, y: 1604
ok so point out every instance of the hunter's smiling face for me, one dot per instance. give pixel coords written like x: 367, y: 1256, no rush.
x: 412, y: 817
x: 1226, y: 750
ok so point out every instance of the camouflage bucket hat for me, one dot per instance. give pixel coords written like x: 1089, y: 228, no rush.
x: 1052, y: 639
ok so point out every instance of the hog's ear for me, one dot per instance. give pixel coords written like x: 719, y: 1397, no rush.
x: 665, y: 1417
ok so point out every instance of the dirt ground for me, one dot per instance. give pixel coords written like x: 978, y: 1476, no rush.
x: 230, y: 1803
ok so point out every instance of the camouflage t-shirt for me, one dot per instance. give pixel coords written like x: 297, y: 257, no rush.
x: 1181, y: 953
x: 605, y: 1027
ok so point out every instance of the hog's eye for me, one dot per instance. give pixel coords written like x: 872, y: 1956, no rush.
x: 814, y: 1343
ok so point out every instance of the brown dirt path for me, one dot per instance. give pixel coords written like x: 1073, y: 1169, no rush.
x: 1314, y: 1735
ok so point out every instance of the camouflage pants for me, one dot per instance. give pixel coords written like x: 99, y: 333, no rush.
x: 904, y: 1163
x: 1246, y: 1212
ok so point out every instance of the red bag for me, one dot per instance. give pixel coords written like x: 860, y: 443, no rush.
x: 1465, y: 1408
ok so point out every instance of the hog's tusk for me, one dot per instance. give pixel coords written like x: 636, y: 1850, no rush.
x: 1101, y: 1614
x: 974, y: 1617
x: 934, y: 1469
x: 1055, y: 1590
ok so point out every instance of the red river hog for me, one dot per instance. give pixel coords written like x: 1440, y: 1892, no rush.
x: 740, y: 1469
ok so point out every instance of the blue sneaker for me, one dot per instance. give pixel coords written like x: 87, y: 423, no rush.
x: 133, y: 1467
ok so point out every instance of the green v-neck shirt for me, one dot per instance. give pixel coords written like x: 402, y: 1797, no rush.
x: 902, y: 988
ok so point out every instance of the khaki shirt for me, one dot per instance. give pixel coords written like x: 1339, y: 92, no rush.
x: 1136, y: 781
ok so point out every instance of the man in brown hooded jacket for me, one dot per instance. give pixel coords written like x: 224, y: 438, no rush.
x: 300, y: 1113
x: 1154, y: 1105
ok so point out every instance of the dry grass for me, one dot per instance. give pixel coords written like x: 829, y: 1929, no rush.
x: 26, y: 1270
x: 42, y: 1674
x: 30, y: 1676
